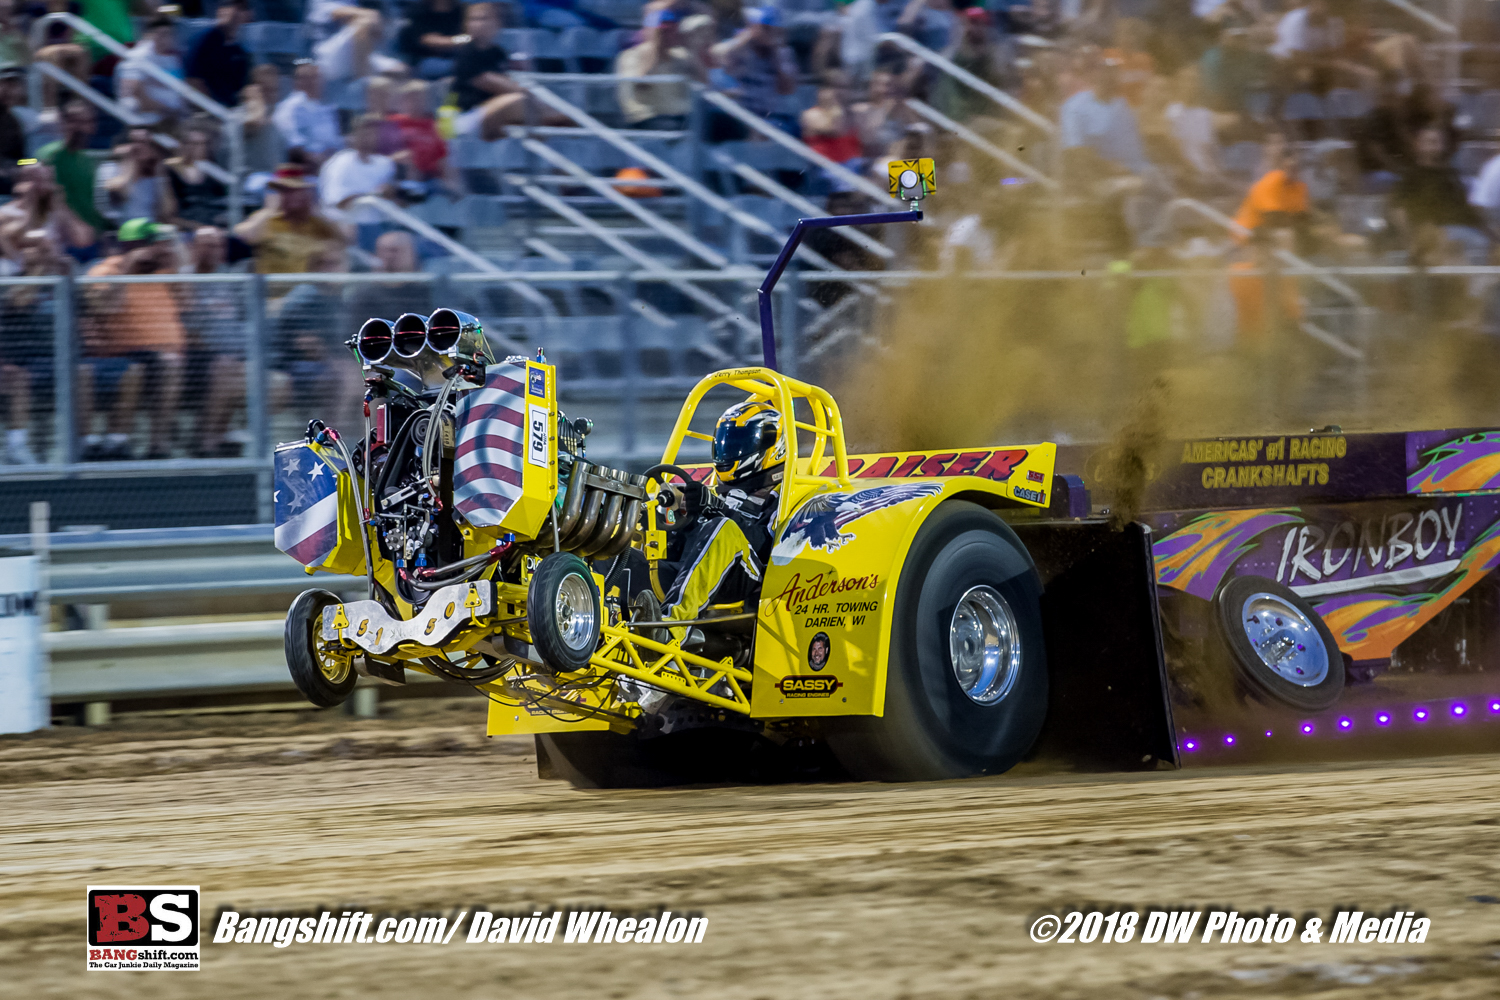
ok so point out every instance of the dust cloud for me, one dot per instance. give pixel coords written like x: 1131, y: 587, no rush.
x: 1133, y: 358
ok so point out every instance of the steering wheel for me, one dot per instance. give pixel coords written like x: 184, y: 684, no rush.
x: 664, y: 498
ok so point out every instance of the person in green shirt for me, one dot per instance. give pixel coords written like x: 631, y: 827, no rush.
x: 111, y: 17
x: 71, y: 162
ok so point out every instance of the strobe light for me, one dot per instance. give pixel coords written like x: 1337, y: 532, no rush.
x: 374, y: 340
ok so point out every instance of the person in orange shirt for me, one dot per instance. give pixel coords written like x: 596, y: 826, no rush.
x: 140, y: 323
x: 1281, y: 189
x: 1268, y: 302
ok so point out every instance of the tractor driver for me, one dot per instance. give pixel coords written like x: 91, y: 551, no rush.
x: 729, y: 532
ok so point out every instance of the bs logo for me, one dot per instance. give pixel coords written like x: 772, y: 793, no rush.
x: 162, y: 916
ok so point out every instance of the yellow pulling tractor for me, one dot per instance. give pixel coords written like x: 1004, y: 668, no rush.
x: 899, y: 632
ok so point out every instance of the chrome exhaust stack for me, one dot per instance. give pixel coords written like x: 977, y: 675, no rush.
x: 374, y: 341
x: 409, y: 349
x: 457, y: 337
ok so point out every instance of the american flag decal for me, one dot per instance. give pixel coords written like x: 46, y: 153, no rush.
x: 307, y: 503
x: 491, y: 428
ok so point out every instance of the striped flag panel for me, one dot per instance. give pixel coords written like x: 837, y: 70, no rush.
x: 487, y: 472
x: 306, y: 503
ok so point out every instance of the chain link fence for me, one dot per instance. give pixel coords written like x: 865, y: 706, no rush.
x: 152, y: 401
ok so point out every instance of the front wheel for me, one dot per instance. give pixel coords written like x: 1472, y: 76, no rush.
x: 966, y: 685
x: 562, y: 611
x: 323, y: 678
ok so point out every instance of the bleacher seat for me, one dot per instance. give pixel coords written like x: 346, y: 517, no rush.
x: 603, y: 102
x: 483, y: 211
x: 763, y: 156
x: 773, y: 210
x: 187, y: 30
x: 270, y: 38
x: 798, y: 101
x: 346, y: 95
x: 439, y: 212
x: 543, y: 48
x: 594, y: 155
x: 783, y: 165
x: 1486, y: 111
x: 747, y: 247
x: 1347, y: 103
x: 470, y: 153
x: 626, y: 13
x: 1302, y: 106
x: 470, y: 211
x: 677, y: 154
x: 590, y: 51
x: 1472, y: 156
x: 1242, y: 158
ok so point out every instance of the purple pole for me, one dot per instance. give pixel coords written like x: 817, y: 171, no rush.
x: 767, y: 323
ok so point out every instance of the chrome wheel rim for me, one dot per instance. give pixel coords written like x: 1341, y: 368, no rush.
x: 576, y: 614
x: 1285, y: 639
x: 984, y: 645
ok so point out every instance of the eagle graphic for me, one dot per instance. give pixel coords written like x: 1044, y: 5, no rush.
x: 820, y: 522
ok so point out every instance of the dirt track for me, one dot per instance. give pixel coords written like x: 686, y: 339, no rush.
x: 827, y: 891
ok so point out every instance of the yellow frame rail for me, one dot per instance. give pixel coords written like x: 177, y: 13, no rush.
x: 670, y: 672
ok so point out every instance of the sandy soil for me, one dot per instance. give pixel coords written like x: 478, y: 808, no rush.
x: 827, y: 891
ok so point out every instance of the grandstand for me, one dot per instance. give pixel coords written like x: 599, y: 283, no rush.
x: 207, y: 199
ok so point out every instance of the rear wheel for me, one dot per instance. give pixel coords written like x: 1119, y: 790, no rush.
x: 562, y: 611
x: 966, y: 686
x: 324, y: 679
x: 1278, y: 644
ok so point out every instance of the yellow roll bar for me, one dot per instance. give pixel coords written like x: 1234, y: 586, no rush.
x: 782, y: 392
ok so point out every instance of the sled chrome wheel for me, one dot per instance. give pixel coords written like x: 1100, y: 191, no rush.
x: 1278, y: 646
x: 577, y: 617
x: 1285, y: 639
x: 984, y: 645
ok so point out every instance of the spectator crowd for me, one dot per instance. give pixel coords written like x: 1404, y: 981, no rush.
x: 1239, y: 133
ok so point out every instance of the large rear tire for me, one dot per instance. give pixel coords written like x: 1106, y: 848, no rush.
x: 966, y: 686
x: 323, y: 680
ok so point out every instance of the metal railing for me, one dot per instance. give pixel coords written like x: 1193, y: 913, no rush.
x: 230, y: 117
x: 980, y: 143
x: 948, y: 66
x: 630, y: 339
x: 87, y: 571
